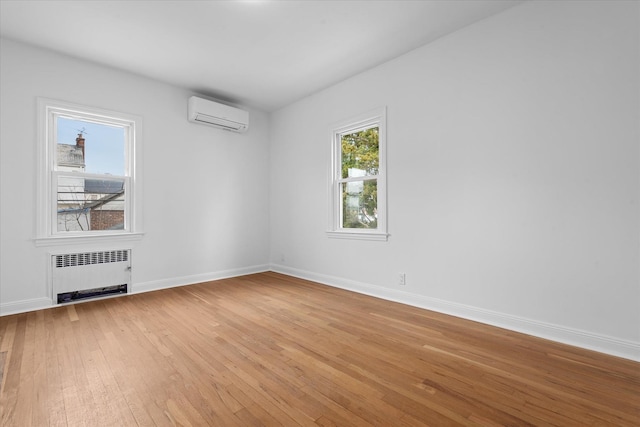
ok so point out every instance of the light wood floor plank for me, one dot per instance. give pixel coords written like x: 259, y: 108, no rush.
x: 268, y: 349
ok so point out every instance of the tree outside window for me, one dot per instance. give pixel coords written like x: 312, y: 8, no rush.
x: 360, y: 159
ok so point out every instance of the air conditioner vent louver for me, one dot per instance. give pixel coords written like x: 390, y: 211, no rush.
x: 219, y: 122
x: 219, y: 115
x: 89, y: 258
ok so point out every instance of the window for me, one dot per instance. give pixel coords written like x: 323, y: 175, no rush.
x: 358, y: 183
x: 88, y: 173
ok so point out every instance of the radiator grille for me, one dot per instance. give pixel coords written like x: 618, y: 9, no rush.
x: 89, y: 258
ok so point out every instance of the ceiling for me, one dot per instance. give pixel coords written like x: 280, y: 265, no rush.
x: 263, y: 54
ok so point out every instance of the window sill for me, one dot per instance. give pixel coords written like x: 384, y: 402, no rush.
x: 93, y: 238
x: 354, y: 235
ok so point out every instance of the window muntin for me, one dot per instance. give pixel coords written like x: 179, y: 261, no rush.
x: 88, y: 174
x: 358, y: 187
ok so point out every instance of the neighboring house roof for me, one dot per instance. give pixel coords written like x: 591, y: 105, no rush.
x: 70, y: 155
x: 102, y: 186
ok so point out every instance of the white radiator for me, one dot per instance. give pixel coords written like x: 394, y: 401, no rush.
x: 90, y: 274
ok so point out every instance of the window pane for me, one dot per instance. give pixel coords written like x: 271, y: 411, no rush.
x: 360, y: 204
x: 86, y: 204
x: 360, y: 153
x: 90, y: 147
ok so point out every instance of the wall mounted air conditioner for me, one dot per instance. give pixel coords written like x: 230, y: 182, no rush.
x: 219, y: 115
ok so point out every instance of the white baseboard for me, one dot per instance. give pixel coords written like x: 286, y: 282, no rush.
x: 43, y: 303
x: 25, y: 305
x: 603, y: 344
x: 155, y: 285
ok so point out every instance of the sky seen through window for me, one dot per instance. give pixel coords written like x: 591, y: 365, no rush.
x: 104, y: 145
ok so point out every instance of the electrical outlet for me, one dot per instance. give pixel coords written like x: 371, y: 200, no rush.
x: 402, y: 279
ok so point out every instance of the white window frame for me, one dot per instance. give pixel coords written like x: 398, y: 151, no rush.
x: 46, y: 228
x: 374, y: 118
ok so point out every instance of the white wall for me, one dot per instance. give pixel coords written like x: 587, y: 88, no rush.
x: 513, y: 176
x: 205, y: 190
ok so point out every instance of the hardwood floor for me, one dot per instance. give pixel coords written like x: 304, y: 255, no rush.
x: 268, y: 349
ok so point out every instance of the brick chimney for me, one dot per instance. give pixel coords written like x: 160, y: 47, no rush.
x: 80, y: 143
